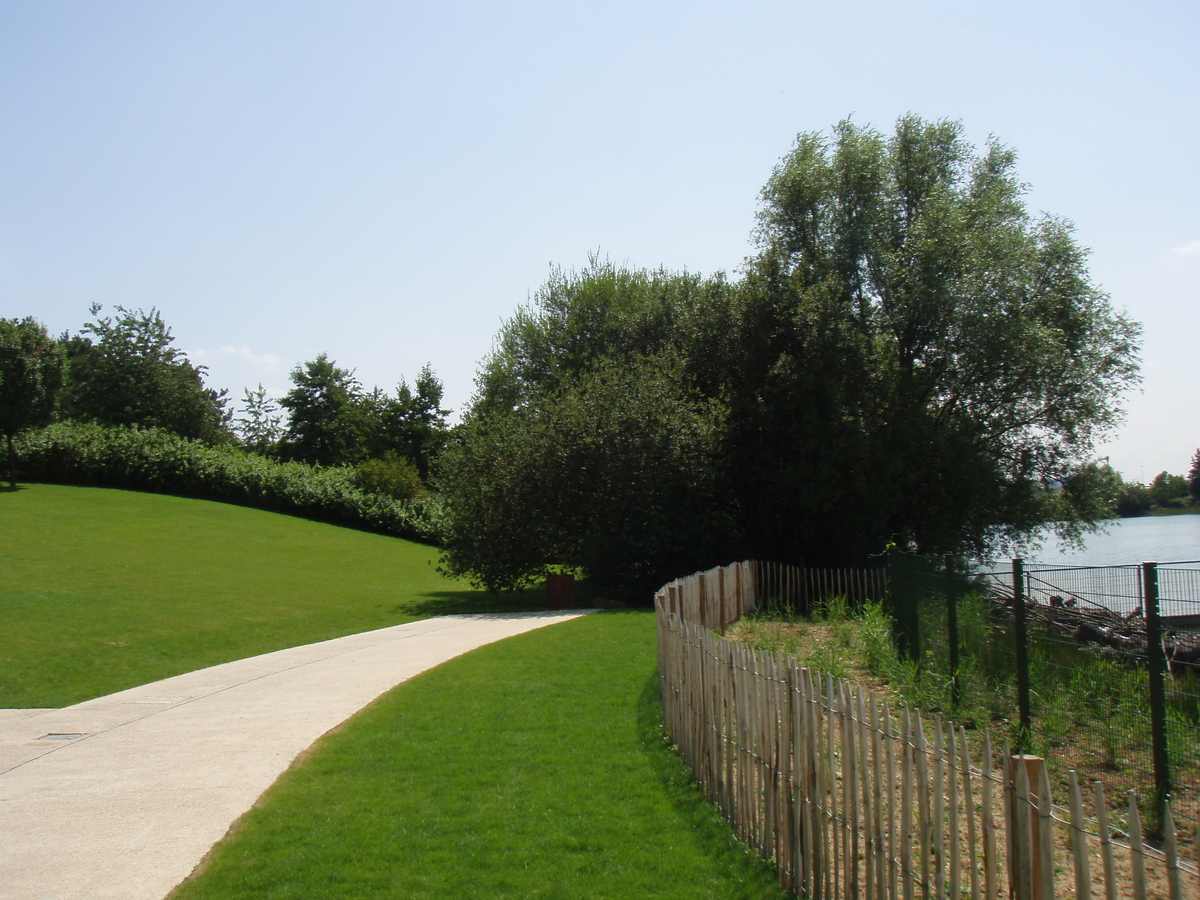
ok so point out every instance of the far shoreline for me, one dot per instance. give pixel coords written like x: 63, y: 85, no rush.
x: 1167, y: 511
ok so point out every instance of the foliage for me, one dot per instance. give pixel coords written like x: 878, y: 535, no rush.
x: 324, y: 420
x: 260, y: 427
x: 132, y: 375
x: 410, y: 424
x: 925, y: 357
x: 1133, y: 500
x: 613, y: 473
x: 1092, y: 492
x: 605, y: 312
x: 1194, y: 477
x: 31, y: 376
x: 1168, y: 490
x: 392, y: 475
x: 332, y: 421
x: 153, y: 459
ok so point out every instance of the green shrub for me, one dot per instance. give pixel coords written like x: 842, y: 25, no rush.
x: 151, y: 459
x: 391, y: 475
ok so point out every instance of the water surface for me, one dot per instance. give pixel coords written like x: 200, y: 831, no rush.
x: 1128, y: 542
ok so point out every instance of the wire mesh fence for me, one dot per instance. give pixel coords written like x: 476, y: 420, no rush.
x: 1096, y: 668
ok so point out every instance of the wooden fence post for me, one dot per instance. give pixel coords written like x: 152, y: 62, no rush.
x: 737, y: 588
x: 721, y: 596
x: 1030, y: 872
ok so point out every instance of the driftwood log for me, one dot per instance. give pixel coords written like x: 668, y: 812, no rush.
x: 1116, y: 636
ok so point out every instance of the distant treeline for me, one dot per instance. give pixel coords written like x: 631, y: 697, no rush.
x: 1166, y: 492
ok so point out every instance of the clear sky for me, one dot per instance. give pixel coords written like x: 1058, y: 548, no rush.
x: 387, y: 181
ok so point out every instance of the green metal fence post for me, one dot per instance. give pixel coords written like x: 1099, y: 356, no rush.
x: 1156, y: 670
x: 1022, y: 637
x: 902, y: 585
x: 952, y: 627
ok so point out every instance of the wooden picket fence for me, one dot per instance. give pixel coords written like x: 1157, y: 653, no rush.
x: 719, y: 597
x: 852, y: 799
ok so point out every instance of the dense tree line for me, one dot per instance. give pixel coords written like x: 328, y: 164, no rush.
x: 909, y: 357
x: 123, y: 371
x: 1164, y: 492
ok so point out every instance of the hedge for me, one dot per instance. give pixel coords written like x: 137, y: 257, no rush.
x: 158, y: 461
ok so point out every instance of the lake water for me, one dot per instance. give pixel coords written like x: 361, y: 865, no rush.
x: 1128, y: 542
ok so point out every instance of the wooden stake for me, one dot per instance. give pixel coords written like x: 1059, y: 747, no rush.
x: 1137, y: 853
x: 1106, y: 852
x: 1044, y: 849
x: 923, y: 829
x: 952, y: 832
x: 892, y: 822
x: 1022, y: 876
x: 989, y: 826
x: 936, y: 795
x: 1079, y: 851
x: 1171, y: 850
x: 906, y: 836
x: 969, y: 807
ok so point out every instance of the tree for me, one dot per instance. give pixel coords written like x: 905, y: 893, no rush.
x: 1168, y: 490
x: 606, y: 312
x: 1194, y: 477
x: 410, y: 425
x: 612, y: 474
x: 132, y: 375
x: 1133, y: 500
x: 324, y: 420
x: 947, y: 352
x: 32, y: 367
x: 260, y: 427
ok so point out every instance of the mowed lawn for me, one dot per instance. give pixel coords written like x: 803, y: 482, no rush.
x: 101, y: 589
x: 532, y: 767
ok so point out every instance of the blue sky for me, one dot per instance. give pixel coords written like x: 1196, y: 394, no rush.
x: 387, y: 182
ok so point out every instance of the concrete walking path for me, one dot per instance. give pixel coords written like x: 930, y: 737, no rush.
x: 121, y: 796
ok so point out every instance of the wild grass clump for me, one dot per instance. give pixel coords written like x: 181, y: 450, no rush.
x: 155, y: 460
x: 856, y: 642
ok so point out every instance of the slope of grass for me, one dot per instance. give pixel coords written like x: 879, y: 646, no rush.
x: 530, y: 767
x: 103, y: 589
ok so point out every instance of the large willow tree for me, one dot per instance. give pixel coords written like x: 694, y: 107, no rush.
x: 921, y: 359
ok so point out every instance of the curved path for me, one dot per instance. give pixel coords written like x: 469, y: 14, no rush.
x: 121, y: 796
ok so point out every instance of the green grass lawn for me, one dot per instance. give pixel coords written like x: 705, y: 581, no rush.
x: 102, y: 590
x: 532, y: 767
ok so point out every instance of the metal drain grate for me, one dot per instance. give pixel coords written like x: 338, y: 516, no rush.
x: 59, y: 737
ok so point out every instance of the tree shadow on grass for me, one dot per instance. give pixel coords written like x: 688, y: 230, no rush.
x: 466, y: 601
x: 709, y: 828
x: 451, y: 603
